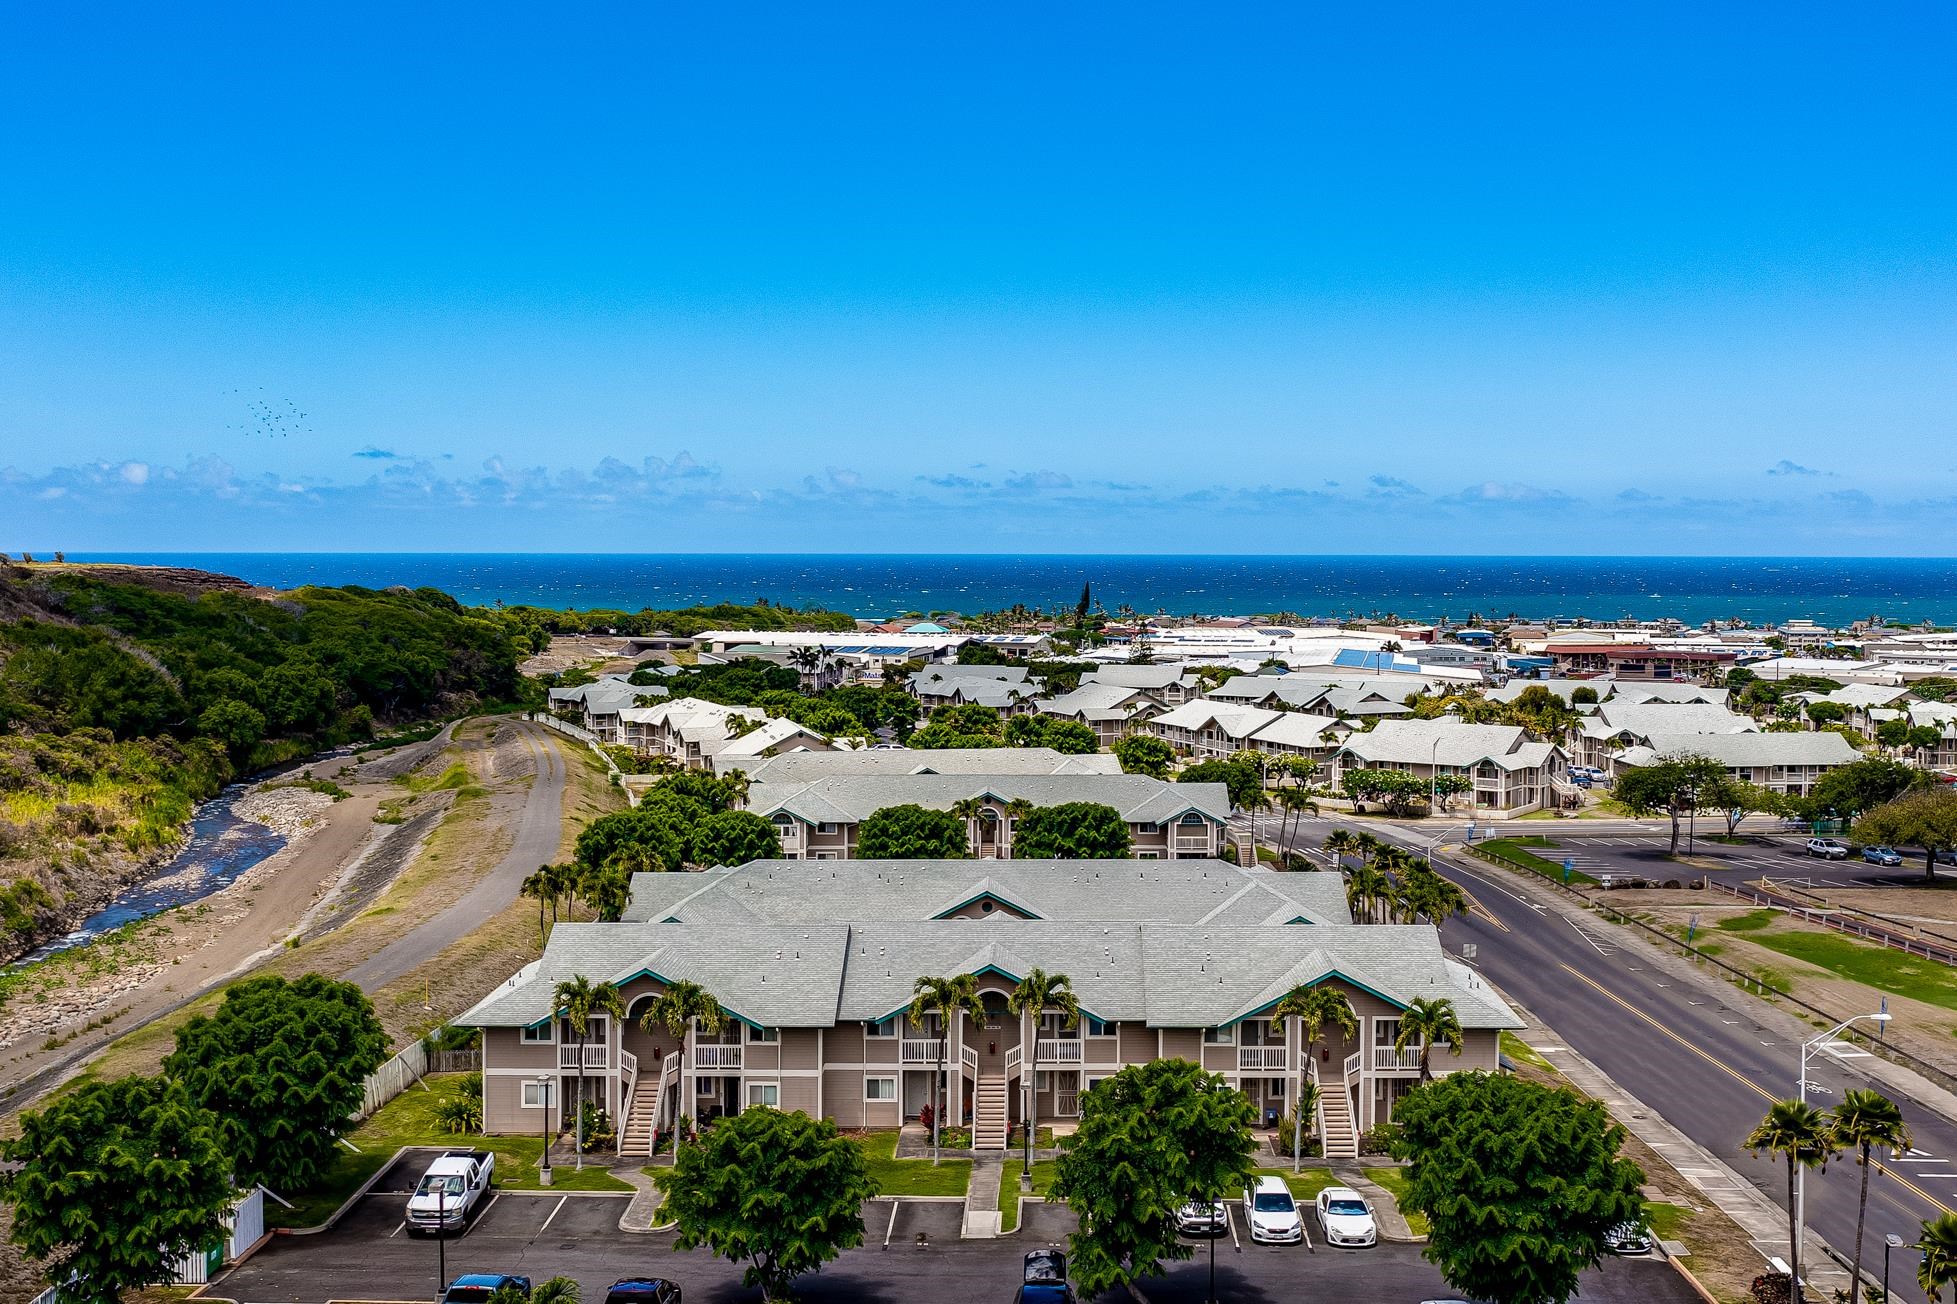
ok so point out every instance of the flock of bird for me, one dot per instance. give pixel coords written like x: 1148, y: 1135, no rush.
x: 271, y: 416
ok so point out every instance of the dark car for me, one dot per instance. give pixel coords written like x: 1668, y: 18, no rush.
x: 477, y: 1287
x: 643, y: 1290
x: 1628, y: 1238
x: 1045, y: 1276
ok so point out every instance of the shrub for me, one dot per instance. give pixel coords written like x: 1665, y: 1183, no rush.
x: 459, y: 1113
x: 599, y: 1134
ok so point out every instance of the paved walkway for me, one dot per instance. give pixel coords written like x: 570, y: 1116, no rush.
x: 1392, y: 1224
x: 982, y: 1216
x: 642, y: 1214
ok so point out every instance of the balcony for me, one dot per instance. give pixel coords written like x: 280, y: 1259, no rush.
x: 594, y: 1056
x: 919, y: 1050
x: 1260, y: 1059
x: 718, y: 1055
x: 1385, y: 1057
x: 1057, y: 1050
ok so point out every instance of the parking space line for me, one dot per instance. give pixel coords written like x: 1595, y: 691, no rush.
x: 397, y: 1229
x: 562, y: 1200
x: 891, y: 1230
x: 476, y: 1222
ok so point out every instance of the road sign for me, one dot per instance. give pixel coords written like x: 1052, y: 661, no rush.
x: 1568, y: 866
x: 1467, y: 950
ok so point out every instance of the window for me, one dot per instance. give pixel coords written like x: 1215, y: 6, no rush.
x: 875, y: 1089
x: 1385, y: 1031
x: 881, y: 1028
x: 538, y: 1035
x: 825, y: 827
x: 766, y: 1036
x: 1042, y: 1082
x: 784, y: 821
x: 536, y: 1095
x: 1096, y: 1028
x: 1226, y: 1036
x: 1148, y: 855
x: 765, y: 1094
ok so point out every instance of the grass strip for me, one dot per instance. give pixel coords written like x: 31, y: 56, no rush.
x: 894, y: 1176
x: 1510, y: 852
x: 1394, y: 1180
x: 1009, y: 1192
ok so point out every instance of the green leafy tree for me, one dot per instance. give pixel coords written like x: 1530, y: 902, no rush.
x: 1399, y: 791
x: 1244, y: 780
x: 1583, y: 695
x: 1864, y: 1122
x: 1673, y: 785
x: 1073, y: 830
x: 607, y: 890
x: 281, y: 1065
x: 578, y: 998
x: 735, y: 837
x: 1519, y: 1182
x: 1799, y: 1134
x: 780, y: 1193
x: 238, y: 725
x: 1151, y: 1137
x: 557, y: 1290
x: 1144, y: 754
x: 1070, y: 737
x: 655, y: 835
x: 1926, y: 819
x: 1849, y: 790
x: 1736, y: 800
x: 115, y: 1183
x: 943, y: 999
x: 912, y: 833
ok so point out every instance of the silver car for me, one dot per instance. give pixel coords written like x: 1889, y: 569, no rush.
x: 1203, y: 1218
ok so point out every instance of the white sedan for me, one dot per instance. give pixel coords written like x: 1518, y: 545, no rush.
x: 1346, y: 1217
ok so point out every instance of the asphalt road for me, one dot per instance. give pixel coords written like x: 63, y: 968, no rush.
x: 543, y: 1235
x: 538, y: 828
x: 1692, y: 1051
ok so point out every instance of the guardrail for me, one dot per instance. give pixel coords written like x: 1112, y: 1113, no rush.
x: 1879, y: 933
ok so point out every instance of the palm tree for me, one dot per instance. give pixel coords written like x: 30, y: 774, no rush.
x: 969, y: 809
x: 557, y: 1290
x: 1035, y: 994
x: 1938, y: 1267
x: 1798, y: 1132
x: 683, y: 1007
x: 1341, y: 844
x: 1297, y: 802
x: 1313, y: 1008
x: 1427, y: 1021
x: 1017, y: 809
x: 944, y: 997
x: 540, y: 887
x: 807, y: 660
x: 579, y: 998
x: 1866, y: 1121
x: 1365, y: 887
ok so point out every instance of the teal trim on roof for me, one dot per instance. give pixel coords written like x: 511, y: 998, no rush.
x: 985, y: 896
x: 1395, y: 1002
x: 658, y: 977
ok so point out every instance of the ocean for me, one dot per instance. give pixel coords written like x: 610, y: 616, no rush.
x: 1832, y: 590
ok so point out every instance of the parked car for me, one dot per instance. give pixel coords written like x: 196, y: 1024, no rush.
x: 451, y: 1191
x: 476, y: 1287
x: 1203, y: 1218
x: 1589, y: 772
x: 643, y: 1290
x: 1827, y: 849
x: 1881, y: 856
x: 1628, y: 1238
x: 1345, y: 1218
x: 1044, y: 1279
x: 1272, y: 1214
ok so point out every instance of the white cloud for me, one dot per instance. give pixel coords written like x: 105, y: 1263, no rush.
x: 136, y: 472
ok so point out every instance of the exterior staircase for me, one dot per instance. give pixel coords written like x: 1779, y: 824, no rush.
x: 1335, y: 1122
x: 989, y: 1114
x: 642, y: 1119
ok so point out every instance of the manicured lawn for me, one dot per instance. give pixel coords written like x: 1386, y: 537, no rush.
x: 1043, y: 1171
x: 1666, y: 1221
x: 1395, y: 1182
x: 1750, y: 922
x: 1522, y: 1053
x: 895, y: 1176
x: 409, y: 1120
x: 1512, y: 852
x: 1878, y: 967
x: 1305, y: 1184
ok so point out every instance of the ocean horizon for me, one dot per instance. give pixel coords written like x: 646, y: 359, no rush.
x: 1832, y: 590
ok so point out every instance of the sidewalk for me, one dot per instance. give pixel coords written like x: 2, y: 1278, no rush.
x: 982, y: 1216
x: 642, y: 1214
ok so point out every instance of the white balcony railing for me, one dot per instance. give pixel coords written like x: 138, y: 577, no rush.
x: 1260, y: 1058
x: 594, y: 1056
x: 1057, y: 1050
x: 718, y: 1055
x: 1385, y: 1057
x: 628, y: 1063
x: 919, y: 1050
x: 1352, y: 1063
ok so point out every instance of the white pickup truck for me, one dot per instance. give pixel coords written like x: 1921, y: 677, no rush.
x: 452, y: 1191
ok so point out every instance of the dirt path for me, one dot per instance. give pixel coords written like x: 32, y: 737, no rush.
x: 538, y: 829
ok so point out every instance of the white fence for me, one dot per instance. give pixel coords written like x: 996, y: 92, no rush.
x: 393, y: 1078
x: 246, y: 1222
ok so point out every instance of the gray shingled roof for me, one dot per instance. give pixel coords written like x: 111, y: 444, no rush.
x: 865, y: 891
x: 806, y: 767
x: 1643, y: 719
x: 852, y: 799
x: 1413, y: 742
x: 1748, y: 749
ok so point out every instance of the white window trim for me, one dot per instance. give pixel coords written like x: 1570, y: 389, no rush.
x: 530, y: 1087
x: 762, y: 1087
x: 870, y: 1099
x: 549, y: 1038
x: 873, y: 1029
x: 763, y: 1036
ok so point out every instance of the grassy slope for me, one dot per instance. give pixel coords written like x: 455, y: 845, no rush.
x: 895, y: 1176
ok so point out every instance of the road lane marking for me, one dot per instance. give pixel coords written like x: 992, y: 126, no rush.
x: 561, y: 1202
x: 1594, y: 944
x: 1735, y: 1074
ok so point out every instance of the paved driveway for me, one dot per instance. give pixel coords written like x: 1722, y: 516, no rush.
x: 368, y: 1256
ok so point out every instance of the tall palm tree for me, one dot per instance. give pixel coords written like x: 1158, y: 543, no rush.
x: 969, y: 809
x: 1798, y: 1132
x: 1313, y: 1007
x: 1428, y: 1021
x: 1031, y: 998
x: 1938, y: 1267
x: 1017, y: 809
x: 1864, y: 1122
x: 579, y: 998
x: 1297, y: 802
x: 685, y: 1006
x: 944, y: 997
x: 540, y: 888
x: 1365, y: 887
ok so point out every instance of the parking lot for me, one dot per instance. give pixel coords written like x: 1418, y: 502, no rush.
x: 369, y: 1256
x: 1782, y: 857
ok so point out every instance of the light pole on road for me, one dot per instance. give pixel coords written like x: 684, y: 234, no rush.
x: 1808, y: 1048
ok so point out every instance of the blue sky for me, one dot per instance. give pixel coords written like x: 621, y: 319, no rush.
x: 1058, y: 278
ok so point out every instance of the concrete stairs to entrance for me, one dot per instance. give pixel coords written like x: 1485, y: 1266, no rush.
x: 1341, y: 1142
x: 636, y: 1136
x: 989, y: 1115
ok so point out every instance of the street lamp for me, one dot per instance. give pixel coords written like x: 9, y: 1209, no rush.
x: 543, y: 1099
x: 1808, y: 1048
x: 1889, y: 1242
